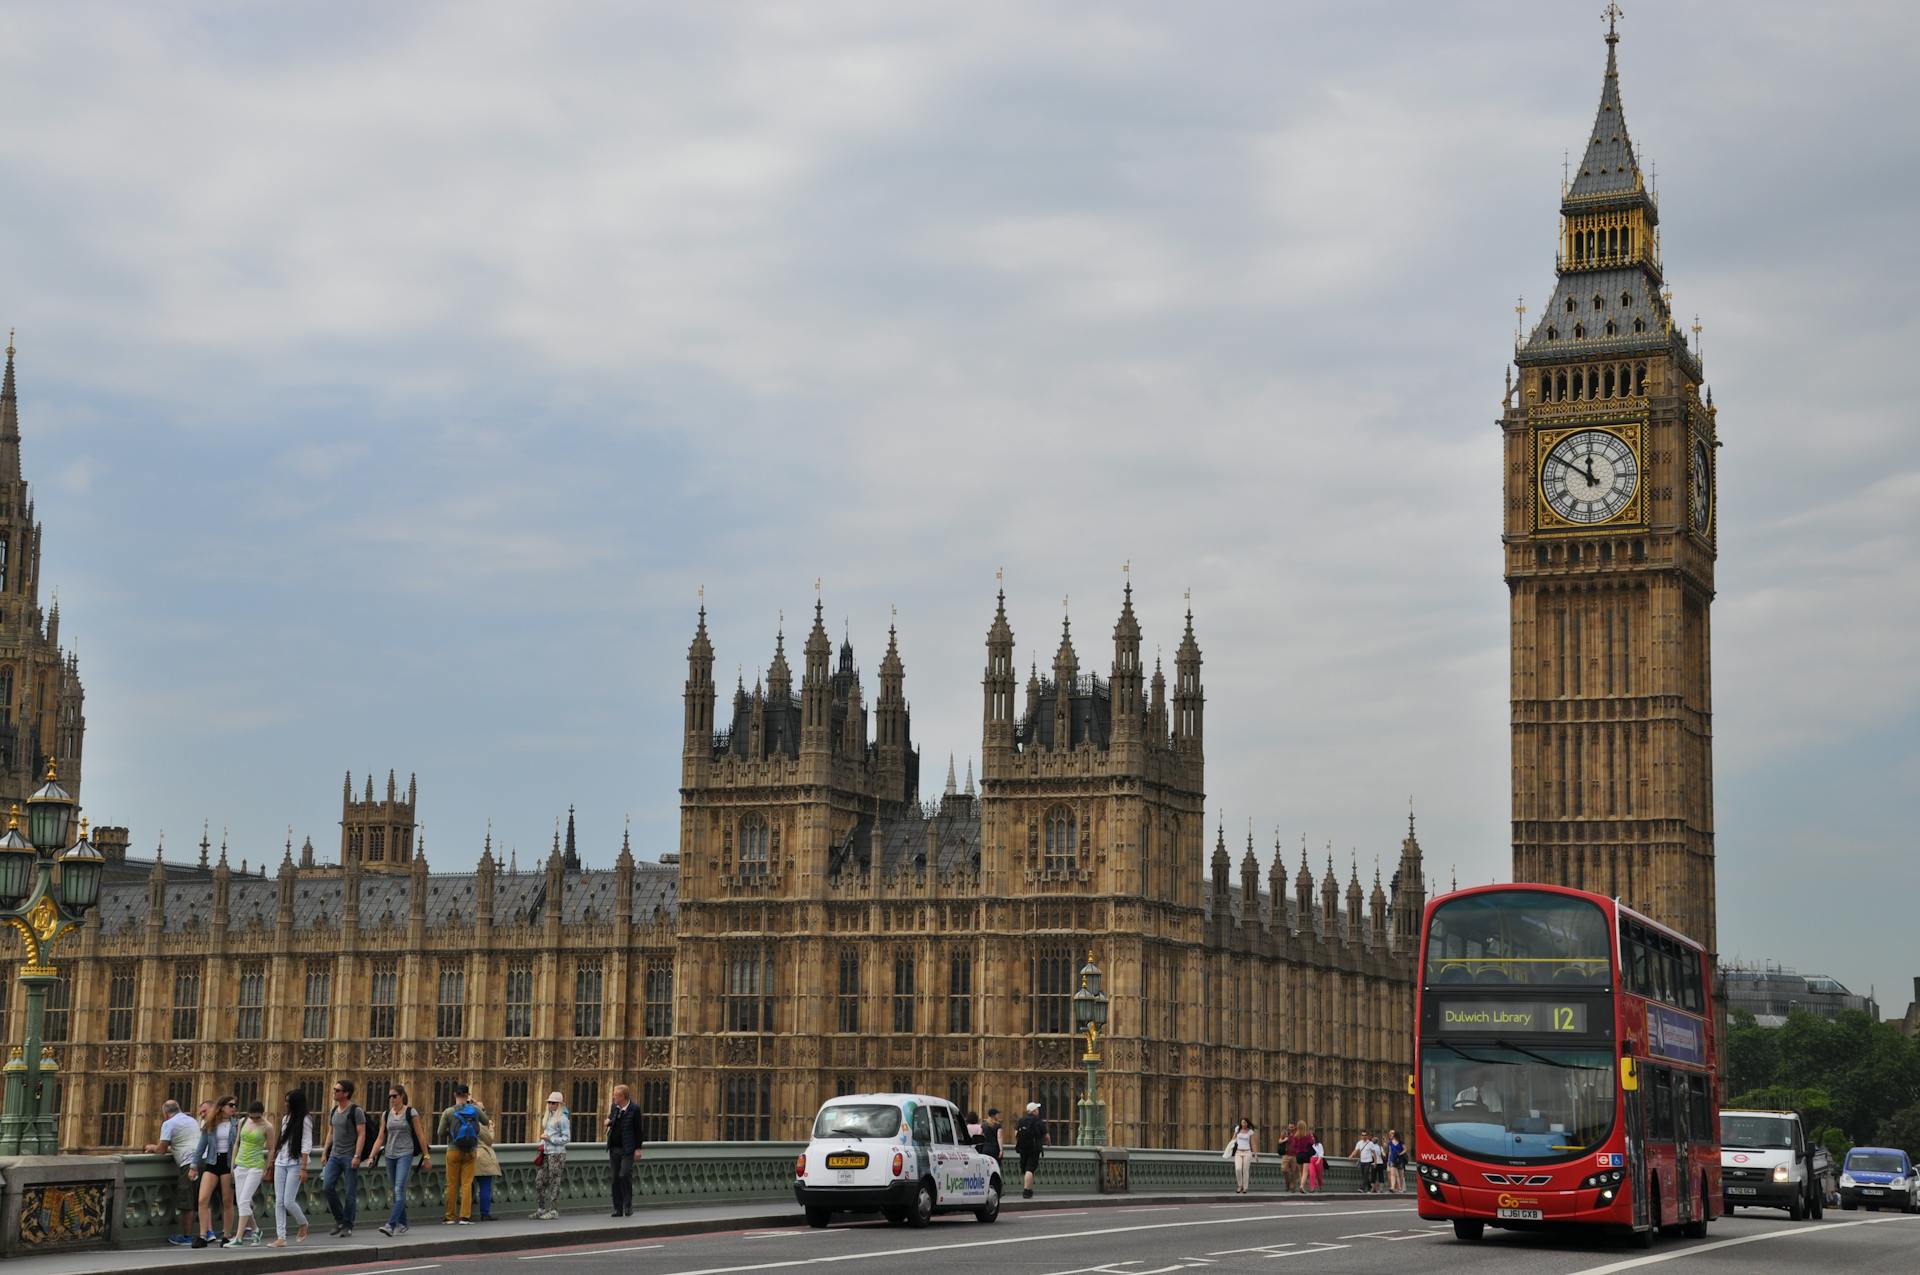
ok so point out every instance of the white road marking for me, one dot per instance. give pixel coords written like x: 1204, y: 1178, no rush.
x: 766, y: 1235
x: 1394, y: 1236
x: 1814, y: 1231
x: 392, y: 1270
x: 1292, y: 1215
x: 591, y: 1252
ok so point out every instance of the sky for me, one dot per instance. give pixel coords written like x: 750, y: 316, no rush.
x: 394, y: 378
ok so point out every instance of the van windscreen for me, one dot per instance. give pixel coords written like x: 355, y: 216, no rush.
x: 857, y: 1120
x: 1875, y: 1162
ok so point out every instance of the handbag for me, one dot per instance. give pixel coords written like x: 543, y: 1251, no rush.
x: 540, y: 1156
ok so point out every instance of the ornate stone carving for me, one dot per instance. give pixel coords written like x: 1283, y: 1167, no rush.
x: 1052, y: 1055
x: 379, y: 1053
x: 514, y: 1054
x: 246, y: 1055
x: 446, y: 1053
x: 657, y: 1053
x: 586, y: 1054
x: 180, y: 1057
x: 115, y: 1058
x: 740, y: 1050
x: 313, y: 1053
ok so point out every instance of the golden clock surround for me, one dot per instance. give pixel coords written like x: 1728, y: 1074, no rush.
x: 1630, y: 432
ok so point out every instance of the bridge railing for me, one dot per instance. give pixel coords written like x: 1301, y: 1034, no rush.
x: 689, y: 1173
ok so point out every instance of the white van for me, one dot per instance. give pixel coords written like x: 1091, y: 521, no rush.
x: 903, y: 1155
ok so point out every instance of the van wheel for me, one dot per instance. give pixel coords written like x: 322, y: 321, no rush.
x: 920, y: 1212
x: 818, y: 1218
x: 1469, y: 1229
x: 991, y: 1209
x: 1817, y: 1206
x: 1797, y: 1210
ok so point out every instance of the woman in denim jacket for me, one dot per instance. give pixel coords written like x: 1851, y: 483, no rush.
x: 556, y: 1128
x: 219, y: 1143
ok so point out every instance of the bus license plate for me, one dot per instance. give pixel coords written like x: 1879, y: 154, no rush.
x: 1520, y: 1215
x: 1743, y: 1190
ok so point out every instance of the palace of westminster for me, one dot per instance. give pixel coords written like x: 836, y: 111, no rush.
x: 821, y: 930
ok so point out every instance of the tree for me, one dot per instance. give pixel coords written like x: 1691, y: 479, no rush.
x: 1902, y: 1129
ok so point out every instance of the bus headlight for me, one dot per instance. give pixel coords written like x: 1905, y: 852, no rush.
x: 1596, y: 1180
x: 1781, y: 1173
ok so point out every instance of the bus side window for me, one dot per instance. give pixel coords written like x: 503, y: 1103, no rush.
x: 1661, y: 1129
x: 1701, y: 1109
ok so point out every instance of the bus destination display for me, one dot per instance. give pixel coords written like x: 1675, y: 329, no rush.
x: 1511, y: 1016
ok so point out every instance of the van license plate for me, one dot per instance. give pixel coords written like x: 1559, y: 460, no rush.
x: 1871, y: 1190
x: 1520, y: 1215
x: 847, y: 1160
x: 1743, y: 1190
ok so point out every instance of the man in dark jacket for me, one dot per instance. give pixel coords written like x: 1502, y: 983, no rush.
x: 623, y: 1148
x: 1029, y: 1139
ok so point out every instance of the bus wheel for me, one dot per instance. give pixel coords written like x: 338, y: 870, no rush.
x: 1468, y: 1228
x: 1697, y: 1228
x: 1645, y: 1239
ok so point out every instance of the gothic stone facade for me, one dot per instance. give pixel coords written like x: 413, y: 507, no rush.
x: 818, y: 931
x: 1610, y: 546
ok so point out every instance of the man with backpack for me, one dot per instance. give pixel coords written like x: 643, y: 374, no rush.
x: 460, y: 1129
x: 346, y: 1146
x: 1029, y: 1139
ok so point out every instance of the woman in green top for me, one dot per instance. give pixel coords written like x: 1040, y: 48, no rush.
x: 250, y: 1165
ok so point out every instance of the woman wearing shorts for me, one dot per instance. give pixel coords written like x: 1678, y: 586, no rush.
x: 219, y: 1143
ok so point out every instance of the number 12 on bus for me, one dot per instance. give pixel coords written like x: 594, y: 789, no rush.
x: 1564, y: 1066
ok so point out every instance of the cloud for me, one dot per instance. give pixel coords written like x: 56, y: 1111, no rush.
x: 407, y: 370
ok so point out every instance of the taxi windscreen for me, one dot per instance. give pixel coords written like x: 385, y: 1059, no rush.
x: 857, y: 1120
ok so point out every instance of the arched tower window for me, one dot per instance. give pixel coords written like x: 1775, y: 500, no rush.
x: 1560, y: 387
x: 1640, y: 378
x: 1546, y: 387
x: 1579, y: 331
x: 753, y: 846
x: 1063, y: 840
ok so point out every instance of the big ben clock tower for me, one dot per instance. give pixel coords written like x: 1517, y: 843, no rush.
x: 1609, y: 456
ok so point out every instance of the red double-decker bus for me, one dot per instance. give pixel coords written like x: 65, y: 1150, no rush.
x: 1565, y: 1066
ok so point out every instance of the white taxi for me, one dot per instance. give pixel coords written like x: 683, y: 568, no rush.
x: 903, y: 1155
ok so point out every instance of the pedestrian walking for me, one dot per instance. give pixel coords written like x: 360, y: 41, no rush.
x: 973, y: 1128
x: 346, y: 1145
x: 623, y: 1148
x: 219, y: 1139
x: 1030, y: 1140
x: 459, y: 1128
x: 290, y: 1169
x: 404, y: 1140
x: 550, y: 1161
x: 1241, y: 1146
x: 250, y: 1169
x: 180, y: 1138
x: 486, y: 1168
x: 1317, y: 1166
x: 1302, y: 1155
x: 1370, y: 1154
x: 1396, y: 1162
x: 1283, y: 1143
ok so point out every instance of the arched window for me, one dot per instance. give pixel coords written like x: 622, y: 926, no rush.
x: 1546, y: 387
x: 1560, y: 387
x: 1640, y: 378
x: 1626, y: 241
x: 1626, y: 301
x: 753, y: 846
x: 1569, y: 305
x: 1063, y: 840
x: 1598, y: 301
x: 1639, y: 325
x: 1609, y: 374
x: 1553, y: 333
x: 1579, y: 331
x: 1612, y: 330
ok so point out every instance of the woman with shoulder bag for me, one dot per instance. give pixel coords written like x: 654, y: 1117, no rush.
x: 1241, y: 1147
x: 550, y: 1161
x: 404, y: 1138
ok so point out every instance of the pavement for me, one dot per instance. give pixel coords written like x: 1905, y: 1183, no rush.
x: 514, y: 1232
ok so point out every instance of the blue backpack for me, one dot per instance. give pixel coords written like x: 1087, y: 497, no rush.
x: 466, y: 1126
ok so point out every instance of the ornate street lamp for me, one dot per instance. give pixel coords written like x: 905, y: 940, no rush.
x: 1090, y: 1015
x: 46, y: 889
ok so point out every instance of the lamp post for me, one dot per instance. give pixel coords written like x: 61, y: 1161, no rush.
x: 1090, y: 1015
x: 46, y: 889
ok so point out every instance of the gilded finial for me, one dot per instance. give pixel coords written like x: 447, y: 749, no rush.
x: 51, y: 774
x: 9, y: 342
x: 703, y: 593
x: 1612, y: 13
x: 13, y: 818
x: 816, y: 584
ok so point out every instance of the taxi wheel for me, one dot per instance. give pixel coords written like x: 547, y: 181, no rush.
x: 991, y: 1209
x: 920, y: 1212
x: 895, y: 1217
x: 818, y: 1218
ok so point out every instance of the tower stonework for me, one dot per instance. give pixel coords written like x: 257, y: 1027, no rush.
x: 1609, y: 462
x: 42, y: 704
x: 376, y: 834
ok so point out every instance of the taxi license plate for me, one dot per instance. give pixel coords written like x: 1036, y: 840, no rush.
x: 847, y: 1160
x: 1743, y: 1190
x: 1520, y: 1215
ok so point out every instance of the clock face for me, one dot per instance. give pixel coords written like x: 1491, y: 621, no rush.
x: 1589, y: 476
x: 1700, y: 487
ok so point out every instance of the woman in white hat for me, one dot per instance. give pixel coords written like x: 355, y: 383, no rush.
x: 550, y: 1161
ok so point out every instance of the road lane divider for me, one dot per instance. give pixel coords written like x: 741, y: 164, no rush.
x: 1815, y: 1231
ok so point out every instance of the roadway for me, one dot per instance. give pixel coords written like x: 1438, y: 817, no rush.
x: 1353, y: 1235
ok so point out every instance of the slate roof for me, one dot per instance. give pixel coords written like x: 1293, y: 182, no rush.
x: 518, y: 898
x: 942, y: 839
x: 1609, y: 165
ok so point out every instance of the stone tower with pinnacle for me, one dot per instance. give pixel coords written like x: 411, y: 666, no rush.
x: 1609, y: 543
